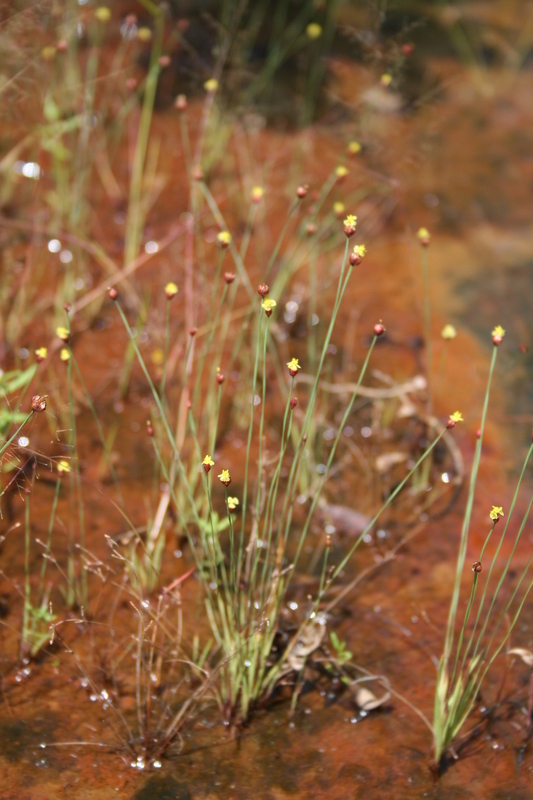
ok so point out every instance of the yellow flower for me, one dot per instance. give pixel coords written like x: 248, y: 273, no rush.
x: 386, y: 79
x: 354, y: 148
x: 224, y: 238
x: 495, y: 513
x: 171, y: 290
x: 208, y: 462
x: 341, y: 171
x: 360, y: 250
x: 257, y: 194
x: 268, y: 304
x: 48, y: 52
x: 41, y: 354
x: 456, y: 417
x: 64, y: 355
x: 102, y: 14
x: 224, y: 477
x: 338, y: 208
x: 211, y: 85
x: 448, y: 332
x: 63, y: 467
x: 157, y: 356
x: 293, y: 366
x: 233, y: 502
x: 350, y: 221
x: 314, y: 30
x: 423, y: 236
x: 63, y: 334
x: 144, y: 34
x: 498, y: 331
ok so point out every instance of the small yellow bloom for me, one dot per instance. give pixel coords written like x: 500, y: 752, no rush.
x: 386, y: 79
x: 314, y: 30
x: 63, y: 334
x: 144, y: 34
x: 171, y: 290
x: 495, y: 513
x: 456, y: 417
x: 208, y: 462
x: 157, y: 356
x: 360, y: 250
x: 64, y: 355
x: 41, y: 354
x: 257, y: 194
x: 341, y: 171
x: 268, y: 304
x: 224, y: 238
x: 211, y: 85
x: 350, y: 221
x: 448, y: 332
x: 102, y: 14
x: 498, y: 331
x: 233, y: 502
x: 338, y: 208
x: 354, y: 148
x: 294, y: 366
x: 224, y: 477
x: 63, y: 467
x: 423, y: 236
x: 48, y: 53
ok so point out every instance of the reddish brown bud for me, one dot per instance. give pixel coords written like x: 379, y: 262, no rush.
x: 355, y: 259
x: 310, y: 229
x: 263, y: 289
x: 229, y: 277
x: 112, y: 292
x: 220, y: 376
x: 450, y: 424
x: 379, y: 329
x: 198, y: 174
x: 180, y: 102
x: 149, y: 429
x: 61, y: 46
x: 164, y: 61
x: 476, y: 566
x: 349, y: 228
x: 131, y: 84
x: 328, y: 540
x: 497, y: 340
x: 67, y: 306
x: 478, y: 433
x: 38, y: 403
x: 408, y: 48
x: 294, y: 402
x: 301, y: 192
x: 192, y: 331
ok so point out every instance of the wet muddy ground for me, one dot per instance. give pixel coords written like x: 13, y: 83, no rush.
x: 460, y: 163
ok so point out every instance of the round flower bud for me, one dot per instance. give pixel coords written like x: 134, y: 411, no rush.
x: 263, y: 289
x: 379, y: 329
x: 301, y: 192
x: 293, y: 403
x: 112, y: 292
x: 476, y: 566
x: 38, y: 403
x: 180, y: 102
x: 229, y: 277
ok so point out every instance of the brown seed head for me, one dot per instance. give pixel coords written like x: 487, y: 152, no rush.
x: 263, y: 289
x: 38, y: 403
x: 476, y: 566
x: 379, y: 329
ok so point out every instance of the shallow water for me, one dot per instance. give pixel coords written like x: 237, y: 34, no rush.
x: 460, y: 165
